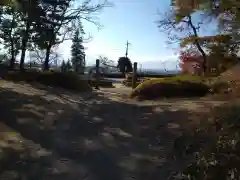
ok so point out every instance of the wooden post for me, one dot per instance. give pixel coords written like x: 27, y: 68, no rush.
x: 97, y: 74
x: 134, y: 75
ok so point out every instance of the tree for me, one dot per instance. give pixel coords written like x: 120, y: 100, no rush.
x: 50, y: 22
x: 105, y: 61
x: 33, y: 15
x: 124, y: 65
x: 24, y: 41
x: 63, y: 66
x: 10, y: 32
x: 38, y: 56
x: 190, y: 62
x: 63, y: 17
x: 221, y: 50
x: 66, y: 66
x: 108, y: 64
x: 225, y: 12
x: 179, y: 28
x: 78, y: 54
x: 48, y: 29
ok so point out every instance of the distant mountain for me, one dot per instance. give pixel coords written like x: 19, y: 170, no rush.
x: 159, y: 71
x: 147, y: 71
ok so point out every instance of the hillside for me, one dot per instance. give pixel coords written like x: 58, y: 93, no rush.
x: 233, y: 74
x: 231, y: 79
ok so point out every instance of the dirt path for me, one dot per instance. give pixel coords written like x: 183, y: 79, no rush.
x: 89, y: 135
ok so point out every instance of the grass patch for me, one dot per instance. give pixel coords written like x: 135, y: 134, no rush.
x: 70, y: 81
x: 178, y: 86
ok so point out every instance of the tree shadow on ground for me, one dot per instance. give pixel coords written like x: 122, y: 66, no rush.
x: 91, y: 136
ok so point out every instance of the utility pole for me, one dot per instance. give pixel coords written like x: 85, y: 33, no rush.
x: 127, y: 48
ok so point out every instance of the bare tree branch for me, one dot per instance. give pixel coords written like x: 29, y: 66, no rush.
x: 74, y: 16
x: 38, y: 56
x: 176, y: 31
x: 86, y: 10
x: 106, y: 62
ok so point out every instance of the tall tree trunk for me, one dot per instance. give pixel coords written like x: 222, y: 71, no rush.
x: 76, y: 67
x: 47, y: 57
x: 204, y: 56
x: 12, y: 61
x: 24, y: 45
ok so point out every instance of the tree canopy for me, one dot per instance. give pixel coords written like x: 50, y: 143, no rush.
x: 77, y: 51
x: 184, y: 29
x: 124, y: 65
x: 30, y: 25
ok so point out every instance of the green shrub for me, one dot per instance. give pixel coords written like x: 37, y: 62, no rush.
x: 179, y: 86
x: 69, y: 80
x: 218, y: 156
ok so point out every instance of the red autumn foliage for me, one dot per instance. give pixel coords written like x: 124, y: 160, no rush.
x: 190, y: 62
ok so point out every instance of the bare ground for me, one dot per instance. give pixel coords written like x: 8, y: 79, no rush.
x: 97, y: 135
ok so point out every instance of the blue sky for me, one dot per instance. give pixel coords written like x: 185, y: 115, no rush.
x: 132, y: 20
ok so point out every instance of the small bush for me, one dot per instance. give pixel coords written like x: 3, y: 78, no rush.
x: 69, y: 81
x: 179, y: 86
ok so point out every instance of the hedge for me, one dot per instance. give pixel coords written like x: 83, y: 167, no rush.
x: 69, y: 80
x: 178, y: 86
